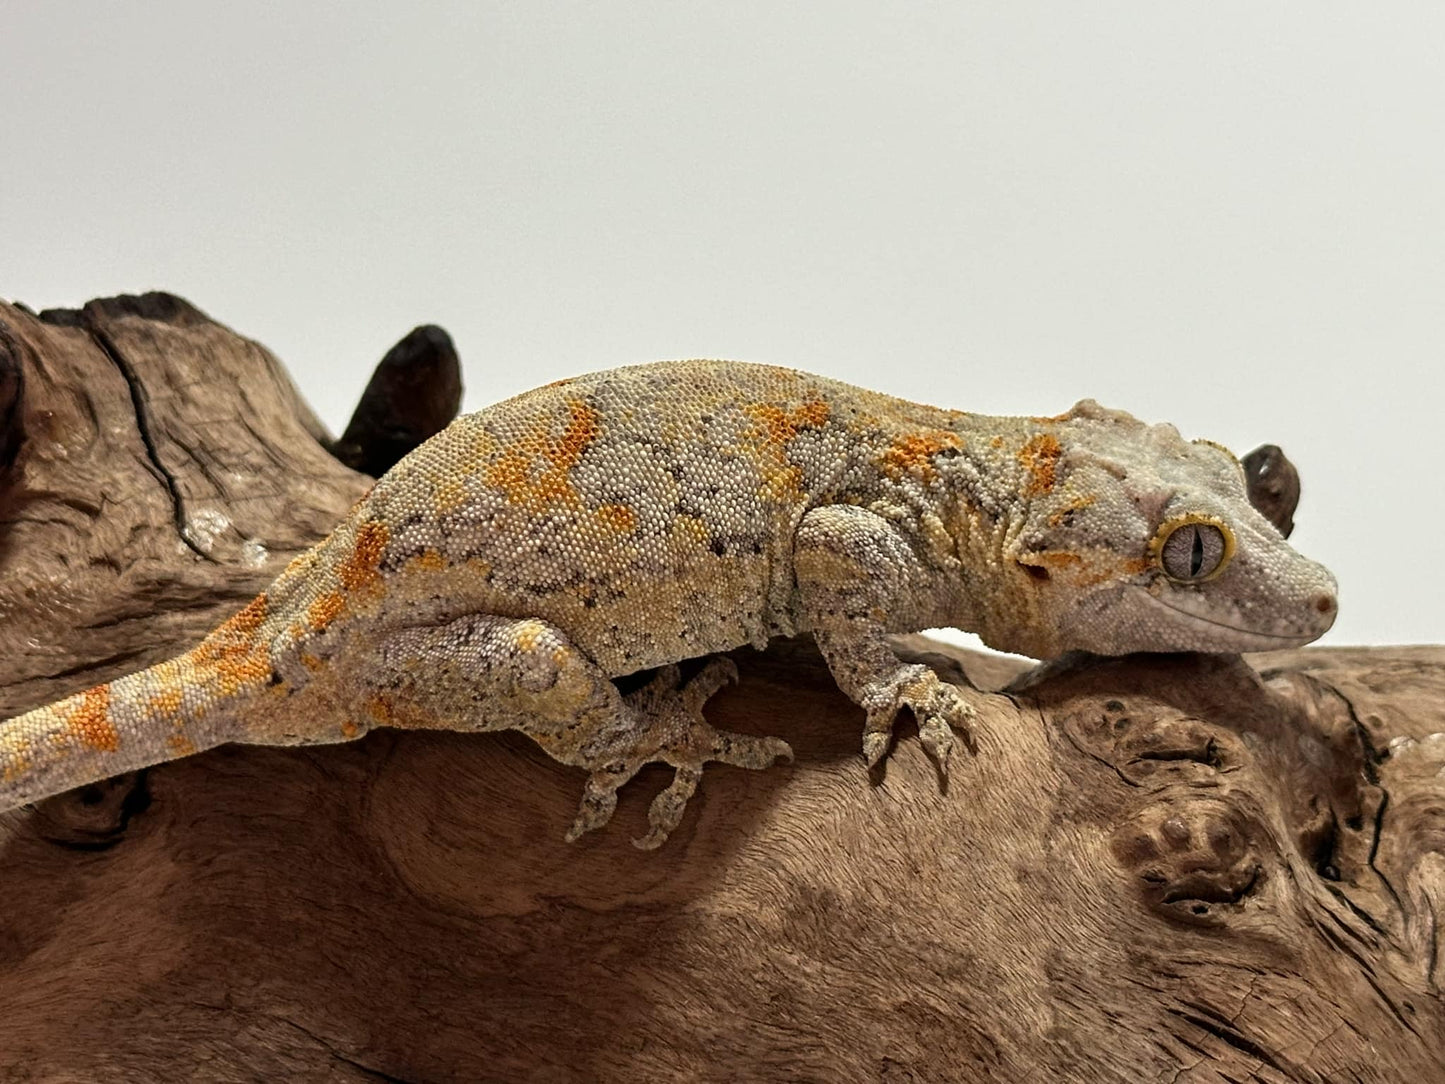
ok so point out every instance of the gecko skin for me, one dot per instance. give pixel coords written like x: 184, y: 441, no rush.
x: 503, y: 573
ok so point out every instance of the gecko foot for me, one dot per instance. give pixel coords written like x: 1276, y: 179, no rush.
x: 938, y: 707
x: 667, y: 725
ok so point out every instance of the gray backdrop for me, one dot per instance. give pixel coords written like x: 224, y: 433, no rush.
x: 1230, y: 216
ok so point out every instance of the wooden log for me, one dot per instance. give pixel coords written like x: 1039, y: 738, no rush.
x: 1157, y: 868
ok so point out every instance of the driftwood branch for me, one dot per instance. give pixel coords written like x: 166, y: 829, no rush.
x: 1172, y: 868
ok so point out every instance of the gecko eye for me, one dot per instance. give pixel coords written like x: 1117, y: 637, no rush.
x: 1192, y: 549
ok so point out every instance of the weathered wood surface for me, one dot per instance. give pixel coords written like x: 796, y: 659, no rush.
x: 1153, y: 869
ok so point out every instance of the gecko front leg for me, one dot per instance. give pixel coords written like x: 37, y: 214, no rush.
x: 854, y: 569
x: 484, y: 672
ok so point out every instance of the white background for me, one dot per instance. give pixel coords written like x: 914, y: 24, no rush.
x: 1230, y: 216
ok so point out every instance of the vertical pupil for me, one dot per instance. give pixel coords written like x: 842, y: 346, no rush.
x: 1196, y: 554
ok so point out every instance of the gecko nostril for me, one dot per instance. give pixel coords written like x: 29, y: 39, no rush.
x: 1325, y: 602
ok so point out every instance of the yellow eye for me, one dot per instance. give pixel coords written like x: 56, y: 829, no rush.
x: 1192, y: 548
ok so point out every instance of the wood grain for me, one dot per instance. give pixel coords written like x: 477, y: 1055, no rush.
x: 1159, y: 868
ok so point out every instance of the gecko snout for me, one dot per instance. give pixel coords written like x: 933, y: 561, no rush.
x: 1323, y: 608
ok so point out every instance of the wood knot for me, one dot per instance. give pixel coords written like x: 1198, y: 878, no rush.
x: 1195, y: 860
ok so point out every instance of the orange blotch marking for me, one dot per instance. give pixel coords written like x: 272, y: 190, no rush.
x: 245, y: 622
x: 166, y: 702
x: 89, y: 720
x: 428, y: 561
x: 380, y: 709
x: 233, y: 653
x: 783, y: 482
x: 325, y: 609
x: 813, y: 414
x: 584, y: 427
x: 777, y: 425
x: 312, y: 662
x: 528, y: 636
x: 509, y: 474
x: 360, y: 570
x: 180, y: 745
x: 252, y: 668
x: 234, y: 635
x: 17, y: 764
x: 690, y: 530
x: 774, y: 424
x: 1059, y: 518
x: 513, y: 469
x: 1040, y: 457
x: 299, y: 564
x: 913, y: 453
x: 1082, y: 571
x: 450, y: 495
x: 618, y: 517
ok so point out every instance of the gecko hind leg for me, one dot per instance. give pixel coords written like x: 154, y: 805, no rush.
x: 665, y: 718
x: 483, y: 672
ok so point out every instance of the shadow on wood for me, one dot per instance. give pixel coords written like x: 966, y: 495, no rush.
x: 1173, y: 868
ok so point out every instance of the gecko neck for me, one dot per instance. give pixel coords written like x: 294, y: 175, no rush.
x: 989, y: 488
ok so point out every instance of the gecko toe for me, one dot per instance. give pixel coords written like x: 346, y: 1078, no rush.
x: 937, y: 706
x: 665, y: 812
x: 718, y: 672
x: 663, y: 721
x: 937, y: 739
x: 599, y: 800
x: 875, y: 745
x: 746, y: 751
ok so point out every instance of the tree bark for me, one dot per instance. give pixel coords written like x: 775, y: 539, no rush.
x: 1157, y: 868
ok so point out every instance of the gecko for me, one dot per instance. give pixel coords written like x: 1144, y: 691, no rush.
x: 508, y: 570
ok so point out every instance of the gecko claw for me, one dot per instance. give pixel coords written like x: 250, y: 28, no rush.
x: 938, y: 707
x: 599, y: 800
x: 875, y: 745
x: 665, y: 812
x: 719, y: 672
x: 937, y: 739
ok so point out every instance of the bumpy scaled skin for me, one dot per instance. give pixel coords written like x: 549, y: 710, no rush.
x: 503, y: 573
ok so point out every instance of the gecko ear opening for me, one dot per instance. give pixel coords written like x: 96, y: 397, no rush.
x: 1038, y: 572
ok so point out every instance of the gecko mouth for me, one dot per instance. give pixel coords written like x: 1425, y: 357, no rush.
x: 1245, y: 639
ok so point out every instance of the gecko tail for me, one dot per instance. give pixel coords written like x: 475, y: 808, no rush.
x: 168, y: 711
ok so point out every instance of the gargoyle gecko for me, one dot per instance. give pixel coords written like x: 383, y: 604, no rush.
x: 503, y: 573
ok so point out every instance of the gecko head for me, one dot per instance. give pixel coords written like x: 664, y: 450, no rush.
x: 1135, y: 539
